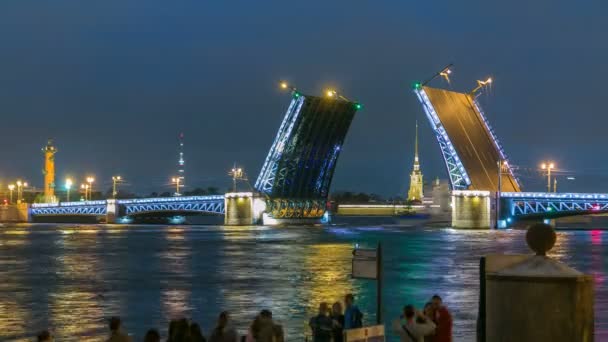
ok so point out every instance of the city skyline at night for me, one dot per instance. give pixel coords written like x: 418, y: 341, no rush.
x: 112, y: 85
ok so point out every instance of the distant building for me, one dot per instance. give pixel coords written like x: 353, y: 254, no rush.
x: 441, y: 197
x: 415, y: 193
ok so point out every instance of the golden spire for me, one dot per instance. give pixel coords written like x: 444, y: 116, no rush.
x: 416, y: 148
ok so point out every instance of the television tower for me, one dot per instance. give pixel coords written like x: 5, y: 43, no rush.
x: 49, y: 172
x: 180, y: 165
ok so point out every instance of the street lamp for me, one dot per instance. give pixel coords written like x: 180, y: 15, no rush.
x: 68, y: 186
x: 237, y: 174
x: 548, y: 166
x: 85, y: 188
x: 11, y: 187
x: 176, y: 181
x: 481, y: 84
x: 115, y: 179
x: 20, y: 186
x: 90, y: 180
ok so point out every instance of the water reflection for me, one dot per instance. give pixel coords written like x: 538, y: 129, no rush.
x: 175, y: 263
x: 74, y: 305
x: 13, y: 295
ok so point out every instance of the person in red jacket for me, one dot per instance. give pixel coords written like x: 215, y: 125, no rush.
x: 443, y: 320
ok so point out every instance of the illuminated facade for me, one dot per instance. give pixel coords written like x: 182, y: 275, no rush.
x: 49, y: 172
x: 300, y: 165
x: 415, y: 192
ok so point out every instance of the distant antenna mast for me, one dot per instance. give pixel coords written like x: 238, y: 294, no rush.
x: 181, y: 163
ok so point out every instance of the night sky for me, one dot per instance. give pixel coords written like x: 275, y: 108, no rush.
x: 115, y: 82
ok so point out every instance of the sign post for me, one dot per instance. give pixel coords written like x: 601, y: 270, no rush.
x: 367, y: 264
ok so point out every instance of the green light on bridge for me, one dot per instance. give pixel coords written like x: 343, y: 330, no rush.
x: 358, y: 106
x: 417, y: 85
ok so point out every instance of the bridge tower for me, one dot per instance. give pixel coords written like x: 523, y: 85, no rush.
x: 415, y: 193
x: 49, y: 172
x: 180, y: 165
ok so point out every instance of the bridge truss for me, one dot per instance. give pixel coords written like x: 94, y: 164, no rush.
x: 459, y: 178
x: 190, y: 204
x: 557, y: 204
x: 299, y: 167
x: 88, y: 208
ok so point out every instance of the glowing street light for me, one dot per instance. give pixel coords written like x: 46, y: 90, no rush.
x: 115, y: 179
x: 20, y: 186
x: 548, y: 166
x: 237, y: 173
x: 285, y: 86
x: 90, y: 180
x: 445, y: 73
x: 481, y: 84
x: 11, y: 187
x: 85, y: 188
x: 68, y: 186
x: 176, y: 181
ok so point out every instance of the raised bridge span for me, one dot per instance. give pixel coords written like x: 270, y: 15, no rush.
x: 292, y: 187
x: 472, y: 153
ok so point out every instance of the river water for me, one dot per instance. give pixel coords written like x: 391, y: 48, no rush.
x: 71, y: 278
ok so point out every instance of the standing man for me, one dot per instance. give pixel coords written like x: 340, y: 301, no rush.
x: 443, y: 320
x: 413, y: 326
x: 321, y: 325
x: 353, y: 318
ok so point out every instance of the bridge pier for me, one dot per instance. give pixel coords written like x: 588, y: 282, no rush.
x: 15, y: 213
x: 471, y: 209
x: 111, y: 210
x: 243, y: 209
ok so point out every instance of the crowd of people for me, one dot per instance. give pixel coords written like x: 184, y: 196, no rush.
x: 329, y: 324
x: 262, y: 329
x: 433, y: 323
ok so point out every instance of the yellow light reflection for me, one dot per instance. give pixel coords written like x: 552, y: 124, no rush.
x: 328, y: 267
x: 175, y: 261
x: 75, y: 305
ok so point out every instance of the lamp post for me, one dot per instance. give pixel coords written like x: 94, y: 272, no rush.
x: 85, y: 188
x: 115, y: 180
x: 20, y: 186
x: 548, y: 166
x: 90, y: 181
x: 236, y: 173
x: 481, y: 84
x: 176, y: 181
x: 11, y: 187
x: 68, y: 186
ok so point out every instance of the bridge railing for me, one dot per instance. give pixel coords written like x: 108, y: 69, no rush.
x: 170, y: 199
x: 555, y: 195
x: 550, y: 203
x: 69, y: 204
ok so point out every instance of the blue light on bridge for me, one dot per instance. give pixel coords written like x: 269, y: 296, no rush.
x: 458, y: 175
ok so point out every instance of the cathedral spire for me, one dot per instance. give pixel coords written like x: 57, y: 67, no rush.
x: 415, y: 193
x: 416, y: 148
